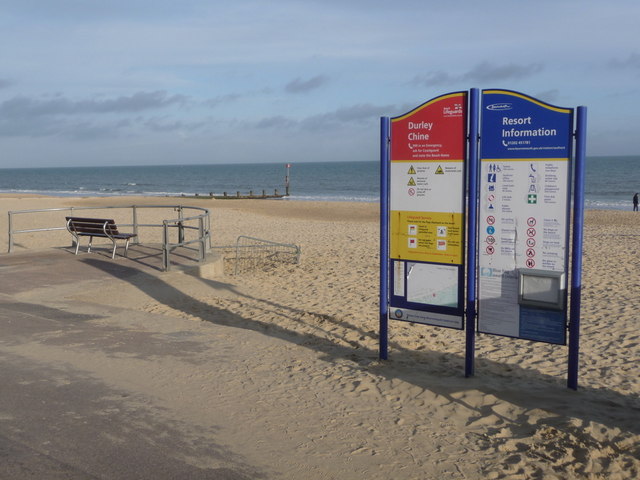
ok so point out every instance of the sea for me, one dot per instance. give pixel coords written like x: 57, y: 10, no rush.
x: 610, y: 181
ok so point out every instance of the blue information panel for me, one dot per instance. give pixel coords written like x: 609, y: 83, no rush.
x: 515, y: 126
x: 525, y: 170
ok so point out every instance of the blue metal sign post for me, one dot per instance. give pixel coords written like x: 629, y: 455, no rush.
x: 472, y: 234
x: 384, y: 237
x: 576, y: 253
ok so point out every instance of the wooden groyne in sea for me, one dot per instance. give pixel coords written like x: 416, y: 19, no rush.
x: 240, y: 196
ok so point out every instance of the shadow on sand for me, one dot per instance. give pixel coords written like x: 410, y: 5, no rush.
x: 438, y: 372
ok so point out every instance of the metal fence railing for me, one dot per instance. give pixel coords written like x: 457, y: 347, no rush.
x: 189, y: 230
x: 253, y: 252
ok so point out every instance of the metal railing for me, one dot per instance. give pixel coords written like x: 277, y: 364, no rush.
x: 256, y: 251
x: 179, y: 223
x: 203, y: 228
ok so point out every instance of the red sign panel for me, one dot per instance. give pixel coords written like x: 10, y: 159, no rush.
x: 431, y: 131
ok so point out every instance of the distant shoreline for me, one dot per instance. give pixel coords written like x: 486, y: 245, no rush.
x: 121, y: 199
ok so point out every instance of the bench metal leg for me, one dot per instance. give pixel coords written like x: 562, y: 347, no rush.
x: 113, y: 255
x: 126, y: 248
x: 90, y: 241
x: 77, y: 245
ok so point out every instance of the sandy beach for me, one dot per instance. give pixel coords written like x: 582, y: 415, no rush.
x: 294, y: 388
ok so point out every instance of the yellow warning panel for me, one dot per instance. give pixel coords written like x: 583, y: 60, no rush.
x: 412, y: 182
x: 427, y: 236
x: 439, y: 170
x: 412, y: 171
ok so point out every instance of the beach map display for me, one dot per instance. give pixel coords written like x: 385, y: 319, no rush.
x: 432, y: 284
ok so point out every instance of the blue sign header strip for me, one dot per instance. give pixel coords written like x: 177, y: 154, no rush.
x: 515, y: 125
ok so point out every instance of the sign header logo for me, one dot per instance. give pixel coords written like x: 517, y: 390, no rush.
x: 500, y: 106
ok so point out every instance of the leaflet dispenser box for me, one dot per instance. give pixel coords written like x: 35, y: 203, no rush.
x: 541, y: 289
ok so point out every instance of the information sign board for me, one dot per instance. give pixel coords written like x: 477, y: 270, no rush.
x: 426, y: 206
x: 523, y: 218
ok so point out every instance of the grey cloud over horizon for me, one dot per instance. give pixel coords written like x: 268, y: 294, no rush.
x: 22, y: 106
x: 222, y: 99
x: 632, y: 61
x: 302, y: 86
x: 482, y: 72
x: 23, y: 116
x: 277, y: 121
x: 359, y: 114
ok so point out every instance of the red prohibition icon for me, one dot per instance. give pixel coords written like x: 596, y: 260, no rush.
x: 531, y: 252
x: 531, y: 222
x: 491, y: 219
x: 491, y: 239
x: 490, y: 249
x: 531, y: 242
x: 530, y: 263
x: 531, y: 232
x: 411, y: 192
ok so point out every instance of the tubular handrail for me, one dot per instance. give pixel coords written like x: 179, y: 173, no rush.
x: 204, y: 226
x: 179, y: 223
x: 260, y: 243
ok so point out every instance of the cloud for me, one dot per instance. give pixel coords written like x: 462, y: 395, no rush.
x: 4, y: 83
x: 632, y: 61
x: 137, y: 102
x: 76, y: 129
x: 23, y: 116
x: 361, y: 115
x: 433, y: 79
x: 166, y: 125
x: 222, y: 99
x: 302, y: 86
x: 483, y: 72
x: 277, y: 121
x: 21, y: 107
x: 90, y: 130
x: 486, y: 72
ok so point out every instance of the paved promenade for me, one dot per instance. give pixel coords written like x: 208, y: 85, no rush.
x: 71, y: 401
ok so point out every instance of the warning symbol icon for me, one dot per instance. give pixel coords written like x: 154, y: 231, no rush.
x: 439, y: 170
x: 412, y: 182
x: 412, y: 171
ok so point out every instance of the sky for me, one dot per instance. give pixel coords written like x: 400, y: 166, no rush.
x: 146, y: 82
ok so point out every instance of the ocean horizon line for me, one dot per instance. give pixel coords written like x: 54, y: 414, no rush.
x: 174, y: 165
x: 238, y: 164
x: 611, y: 181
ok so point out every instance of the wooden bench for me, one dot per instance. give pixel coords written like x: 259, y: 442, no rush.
x: 97, y: 227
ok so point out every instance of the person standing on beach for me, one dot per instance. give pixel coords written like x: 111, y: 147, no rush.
x: 635, y: 202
